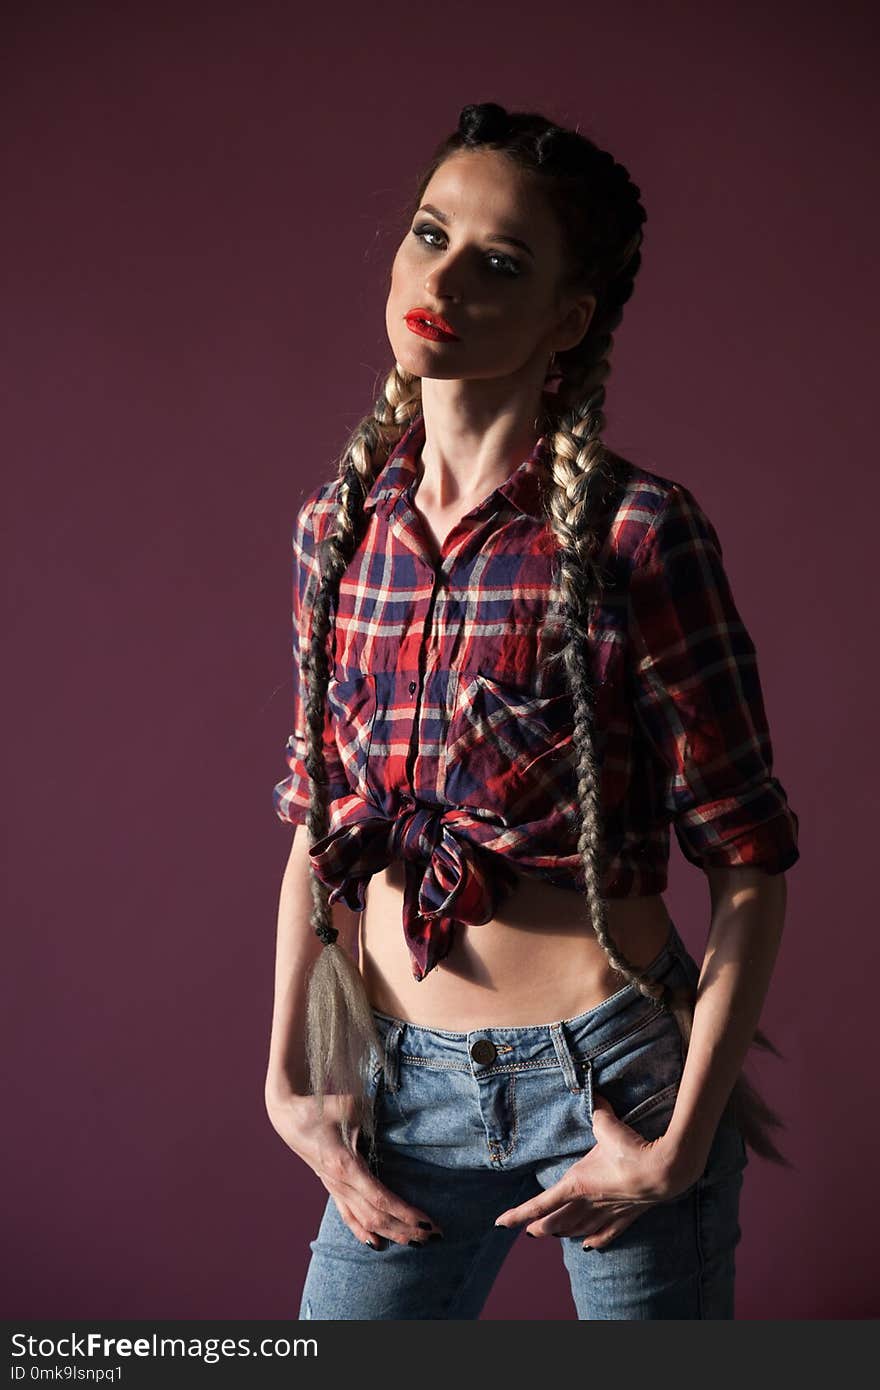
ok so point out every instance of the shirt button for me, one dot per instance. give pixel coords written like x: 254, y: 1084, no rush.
x: 412, y: 687
x: 484, y: 1051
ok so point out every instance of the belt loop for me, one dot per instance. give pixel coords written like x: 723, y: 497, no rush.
x: 392, y: 1057
x: 563, y: 1053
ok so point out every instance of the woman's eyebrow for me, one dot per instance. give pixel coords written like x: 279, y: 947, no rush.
x: 499, y: 236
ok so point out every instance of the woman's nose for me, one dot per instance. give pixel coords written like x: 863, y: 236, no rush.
x: 439, y: 285
x: 446, y: 280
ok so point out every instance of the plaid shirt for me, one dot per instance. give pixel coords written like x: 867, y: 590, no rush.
x: 449, y: 741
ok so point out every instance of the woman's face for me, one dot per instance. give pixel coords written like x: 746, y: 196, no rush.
x: 498, y: 295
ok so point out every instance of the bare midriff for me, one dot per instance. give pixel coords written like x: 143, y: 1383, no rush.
x: 538, y: 961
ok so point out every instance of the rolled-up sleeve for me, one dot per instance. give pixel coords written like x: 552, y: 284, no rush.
x: 291, y: 796
x: 698, y: 698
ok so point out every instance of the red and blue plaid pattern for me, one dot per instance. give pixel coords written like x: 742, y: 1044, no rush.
x: 449, y: 741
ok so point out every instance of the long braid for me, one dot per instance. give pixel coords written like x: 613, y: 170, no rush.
x: 577, y: 465
x: 341, y: 1033
x: 580, y: 472
x: 579, y: 469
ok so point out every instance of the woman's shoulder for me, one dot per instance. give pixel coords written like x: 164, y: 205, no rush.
x: 644, y: 503
x: 313, y: 519
x: 318, y: 506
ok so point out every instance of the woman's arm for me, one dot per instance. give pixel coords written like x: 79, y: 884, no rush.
x: 602, y: 1193
x: 748, y: 913
x: 699, y: 703
x: 296, y: 948
x: 373, y: 1212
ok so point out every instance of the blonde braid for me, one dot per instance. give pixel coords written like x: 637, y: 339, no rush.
x: 577, y: 466
x: 341, y: 1035
x: 580, y: 469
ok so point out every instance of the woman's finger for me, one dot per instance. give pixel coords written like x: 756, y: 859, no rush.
x: 581, y: 1218
x: 357, y: 1228
x: 370, y: 1232
x: 577, y: 1218
x: 374, y: 1206
x: 602, y: 1238
x: 377, y: 1219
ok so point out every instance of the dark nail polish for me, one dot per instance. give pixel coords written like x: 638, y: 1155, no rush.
x: 425, y: 1225
x: 586, y: 1247
x: 436, y: 1235
x: 419, y: 1243
x: 371, y: 1244
x: 532, y: 1234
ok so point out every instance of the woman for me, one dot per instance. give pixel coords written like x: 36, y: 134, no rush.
x: 517, y: 661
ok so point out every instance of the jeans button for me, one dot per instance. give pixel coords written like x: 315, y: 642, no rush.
x: 484, y: 1051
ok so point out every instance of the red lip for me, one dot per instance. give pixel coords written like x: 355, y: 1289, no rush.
x: 429, y: 325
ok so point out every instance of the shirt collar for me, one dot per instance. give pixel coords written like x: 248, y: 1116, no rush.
x: 524, y: 487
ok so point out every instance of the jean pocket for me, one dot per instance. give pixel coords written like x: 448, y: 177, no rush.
x: 656, y: 1110
x: 639, y: 1074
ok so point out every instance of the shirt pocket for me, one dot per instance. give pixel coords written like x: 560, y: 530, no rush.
x: 496, y: 733
x: 351, y: 697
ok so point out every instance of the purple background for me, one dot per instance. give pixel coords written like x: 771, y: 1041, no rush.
x: 200, y: 213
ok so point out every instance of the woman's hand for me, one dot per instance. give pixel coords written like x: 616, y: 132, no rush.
x: 369, y: 1209
x: 609, y: 1188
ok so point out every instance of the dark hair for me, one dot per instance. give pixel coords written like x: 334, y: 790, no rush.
x: 601, y: 217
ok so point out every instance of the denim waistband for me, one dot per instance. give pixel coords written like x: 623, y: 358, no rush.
x: 560, y: 1042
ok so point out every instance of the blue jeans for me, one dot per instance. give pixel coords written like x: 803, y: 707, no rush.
x: 467, y: 1137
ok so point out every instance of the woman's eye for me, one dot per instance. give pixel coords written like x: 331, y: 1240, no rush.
x: 507, y: 265
x: 421, y: 232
